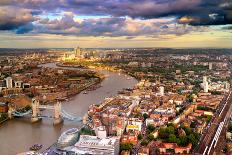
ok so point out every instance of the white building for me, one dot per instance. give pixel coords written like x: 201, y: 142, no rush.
x: 210, y: 66
x: 9, y: 82
x: 101, y: 132
x: 133, y: 64
x: 205, y: 84
x: 134, y: 124
x: 149, y: 121
x: 95, y: 146
x: 161, y: 90
x: 227, y: 85
x: 206, y: 87
x: 18, y: 84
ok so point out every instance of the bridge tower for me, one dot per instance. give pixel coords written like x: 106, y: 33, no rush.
x: 10, y: 110
x: 57, y: 113
x: 35, y: 110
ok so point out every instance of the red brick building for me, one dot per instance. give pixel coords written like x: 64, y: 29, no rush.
x: 3, y: 107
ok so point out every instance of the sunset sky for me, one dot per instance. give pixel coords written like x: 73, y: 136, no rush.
x: 115, y: 23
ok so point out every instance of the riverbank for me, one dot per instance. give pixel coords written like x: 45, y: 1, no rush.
x: 73, y: 66
x: 3, y: 121
x: 72, y: 93
x: 97, y: 66
x: 88, y: 87
x: 75, y: 80
x: 3, y: 117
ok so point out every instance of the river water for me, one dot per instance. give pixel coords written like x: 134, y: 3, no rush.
x: 19, y: 134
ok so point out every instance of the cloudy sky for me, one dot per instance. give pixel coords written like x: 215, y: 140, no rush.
x: 115, y: 23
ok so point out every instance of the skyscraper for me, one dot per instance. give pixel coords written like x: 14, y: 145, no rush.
x: 78, y: 52
x: 205, y: 84
x: 161, y: 89
x: 210, y: 65
x: 9, y: 83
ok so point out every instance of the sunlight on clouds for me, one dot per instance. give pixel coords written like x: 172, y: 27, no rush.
x: 198, y: 39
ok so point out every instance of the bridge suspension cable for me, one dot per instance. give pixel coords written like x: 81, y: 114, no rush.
x: 70, y: 117
x: 21, y: 114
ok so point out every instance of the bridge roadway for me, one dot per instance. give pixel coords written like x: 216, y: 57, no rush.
x: 210, y: 135
x: 46, y: 107
x: 65, y: 115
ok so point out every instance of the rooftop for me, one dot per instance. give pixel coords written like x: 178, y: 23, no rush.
x: 94, y: 141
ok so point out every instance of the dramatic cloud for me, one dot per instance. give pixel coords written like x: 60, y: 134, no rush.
x: 124, y: 17
x: 19, y: 20
x: 112, y: 27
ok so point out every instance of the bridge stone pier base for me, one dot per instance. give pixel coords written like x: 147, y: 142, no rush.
x: 10, y: 110
x: 57, y: 114
x: 35, y: 111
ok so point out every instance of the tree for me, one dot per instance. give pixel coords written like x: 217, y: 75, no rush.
x: 145, y: 116
x: 183, y: 141
x: 172, y: 138
x: 188, y: 131
x: 126, y: 146
x: 179, y: 90
x: 150, y: 128
x: 144, y: 142
x: 170, y: 124
x: 192, y: 139
x: 216, y: 93
x: 190, y: 98
x: 193, y: 124
x: 87, y: 131
x: 170, y: 130
x: 208, y: 119
x: 230, y: 127
x: 28, y: 107
x: 203, y: 108
x: 150, y: 137
x: 140, y: 137
x: 163, y: 134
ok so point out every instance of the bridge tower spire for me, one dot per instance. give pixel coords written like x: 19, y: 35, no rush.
x: 35, y: 110
x: 57, y: 113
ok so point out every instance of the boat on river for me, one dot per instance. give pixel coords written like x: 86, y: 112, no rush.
x: 36, y: 147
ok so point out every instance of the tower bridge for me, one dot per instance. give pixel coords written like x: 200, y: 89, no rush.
x: 36, y: 111
x: 58, y: 113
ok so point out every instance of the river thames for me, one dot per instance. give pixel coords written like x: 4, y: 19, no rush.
x: 19, y: 134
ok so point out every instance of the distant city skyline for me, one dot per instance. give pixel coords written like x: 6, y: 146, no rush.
x: 115, y: 24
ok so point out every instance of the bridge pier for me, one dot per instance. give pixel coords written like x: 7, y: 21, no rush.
x: 57, y: 121
x: 57, y: 114
x: 36, y: 116
x: 10, y: 110
x: 35, y: 111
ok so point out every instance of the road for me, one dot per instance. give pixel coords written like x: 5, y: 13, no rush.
x: 209, y: 140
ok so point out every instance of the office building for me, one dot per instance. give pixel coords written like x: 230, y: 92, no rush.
x: 161, y: 90
x: 210, y: 66
x: 205, y: 84
x: 9, y: 82
x: 95, y: 146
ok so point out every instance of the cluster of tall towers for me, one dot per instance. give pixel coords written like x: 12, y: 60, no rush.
x: 78, y: 52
